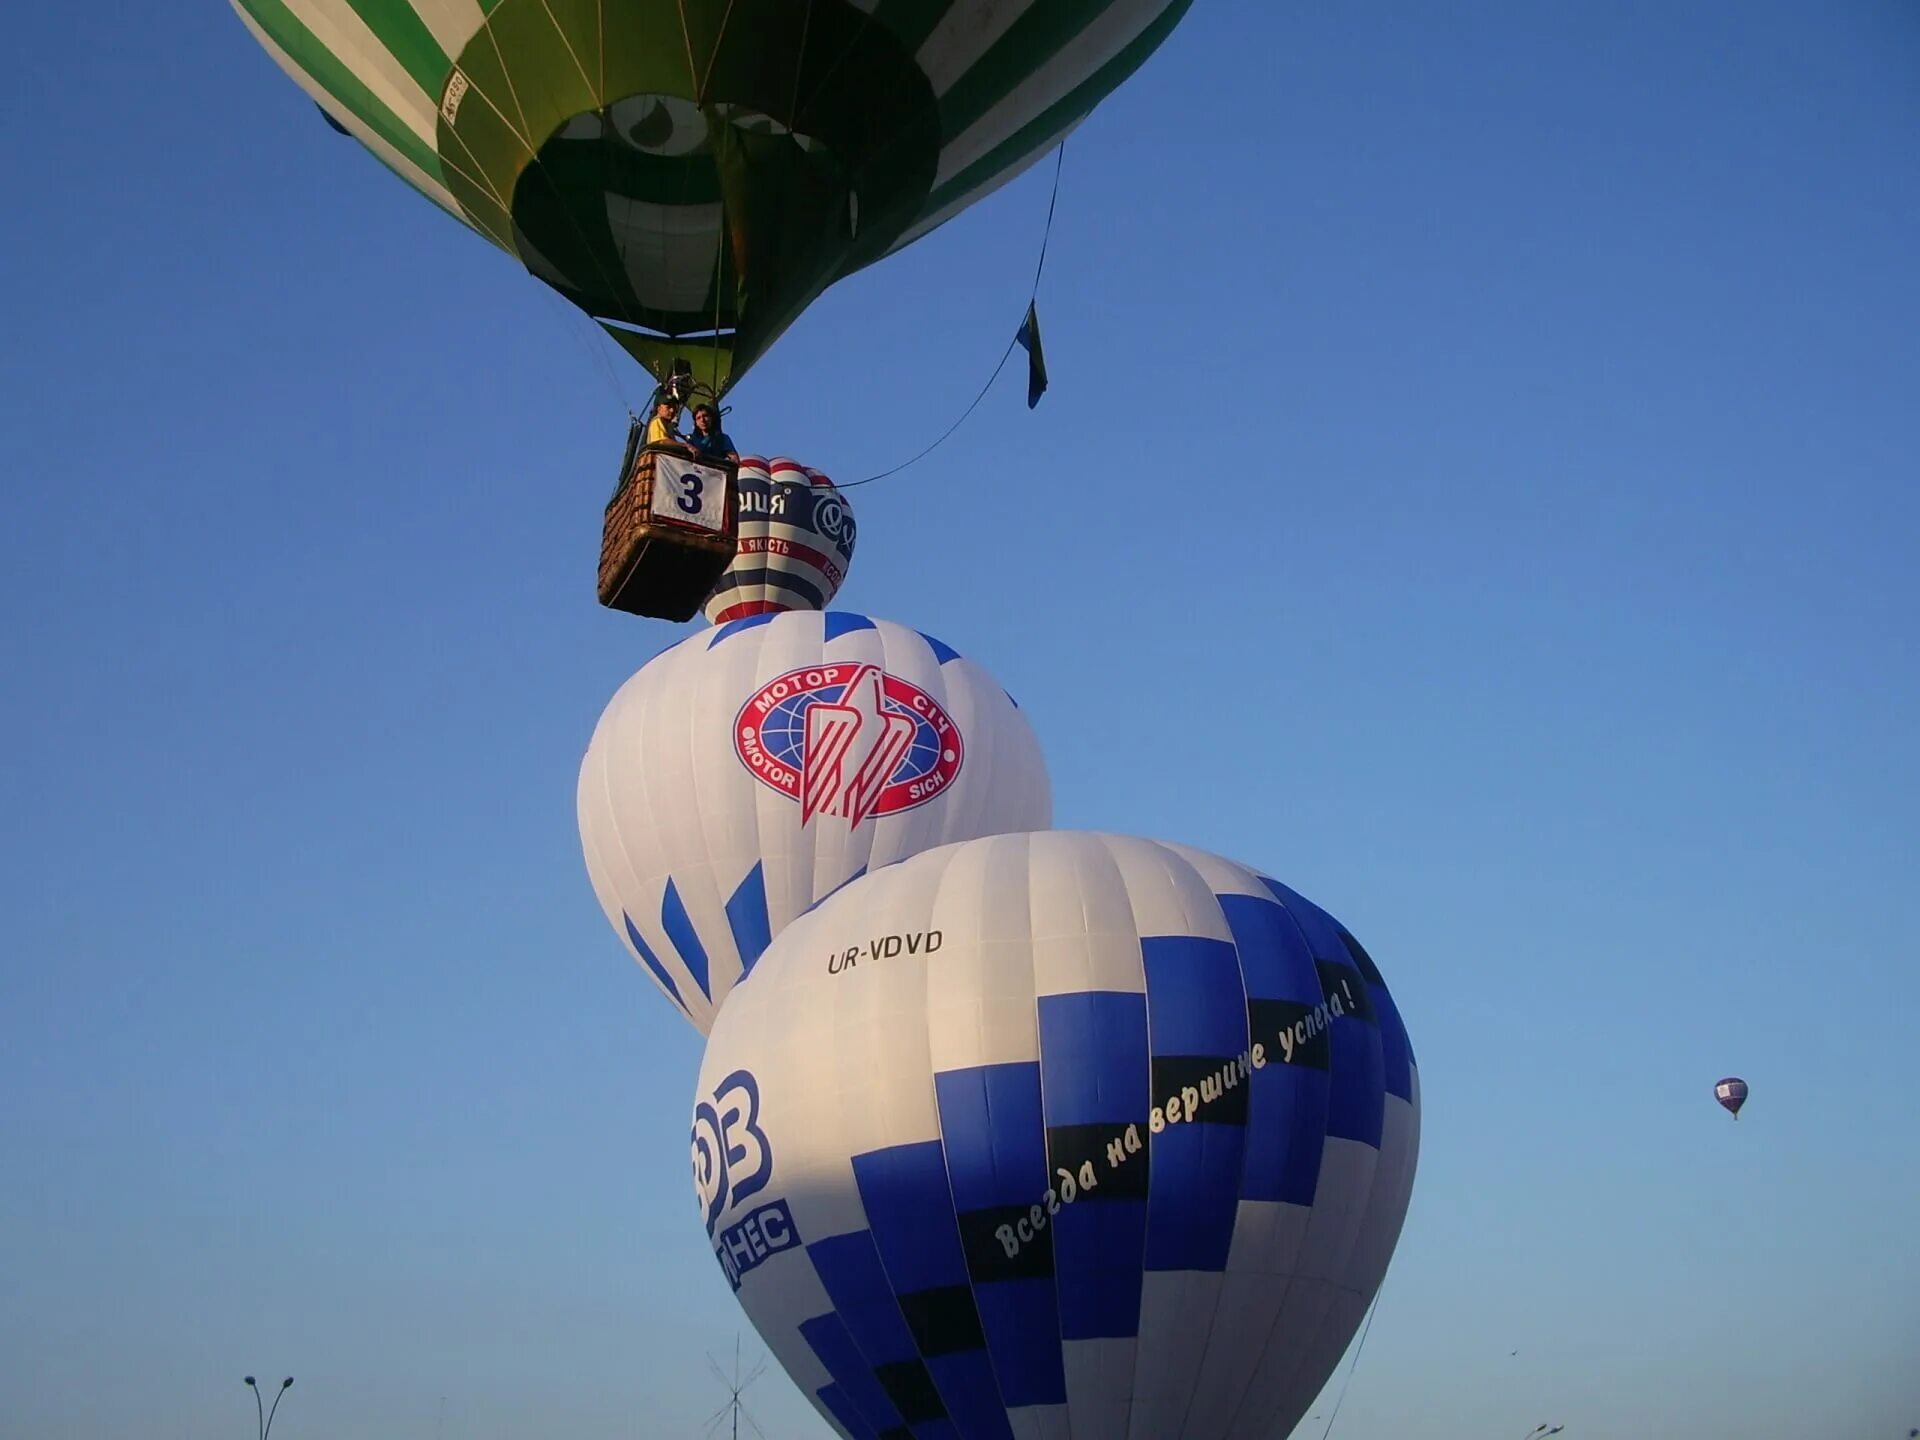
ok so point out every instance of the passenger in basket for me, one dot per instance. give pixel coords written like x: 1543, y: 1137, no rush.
x: 708, y: 440
x: 664, y: 427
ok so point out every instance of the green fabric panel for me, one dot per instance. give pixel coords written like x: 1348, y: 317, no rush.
x: 1038, y: 134
x: 405, y: 34
x: 335, y: 75
x: 711, y: 359
x: 1047, y: 28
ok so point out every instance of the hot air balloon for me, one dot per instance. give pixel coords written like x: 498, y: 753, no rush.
x: 1732, y: 1094
x: 796, y: 542
x: 752, y: 769
x: 1058, y: 1135
x: 694, y: 174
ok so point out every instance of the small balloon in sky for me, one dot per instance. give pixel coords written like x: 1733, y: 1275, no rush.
x: 1732, y: 1094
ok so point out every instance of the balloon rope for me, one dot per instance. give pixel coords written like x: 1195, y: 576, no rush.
x: 1005, y: 355
x: 1372, y: 1310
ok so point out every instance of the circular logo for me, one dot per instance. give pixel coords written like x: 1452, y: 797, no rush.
x: 850, y: 740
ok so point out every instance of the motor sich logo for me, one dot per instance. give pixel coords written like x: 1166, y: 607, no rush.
x: 850, y: 740
x: 732, y: 1162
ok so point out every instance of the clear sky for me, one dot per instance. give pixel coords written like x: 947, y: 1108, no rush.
x: 1478, y: 486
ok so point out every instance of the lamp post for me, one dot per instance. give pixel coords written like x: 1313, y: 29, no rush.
x: 1542, y: 1430
x: 265, y: 1415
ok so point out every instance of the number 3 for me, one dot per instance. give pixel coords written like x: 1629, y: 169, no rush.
x: 690, y: 501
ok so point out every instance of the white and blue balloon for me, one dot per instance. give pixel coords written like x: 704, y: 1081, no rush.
x: 1051, y: 1135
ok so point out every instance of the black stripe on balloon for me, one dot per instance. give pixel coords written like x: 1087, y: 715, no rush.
x: 1177, y: 1076
x: 943, y: 1321
x: 1070, y: 1147
x: 1361, y: 958
x: 912, y: 1391
x: 987, y: 1258
x: 1349, y: 987
x: 1266, y: 1019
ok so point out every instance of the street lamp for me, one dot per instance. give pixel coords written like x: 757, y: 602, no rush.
x: 1542, y: 1430
x: 266, y: 1416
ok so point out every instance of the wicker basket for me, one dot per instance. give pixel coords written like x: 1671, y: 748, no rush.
x: 652, y: 564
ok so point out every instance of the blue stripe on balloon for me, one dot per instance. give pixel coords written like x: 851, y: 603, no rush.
x: 747, y: 917
x: 734, y: 627
x: 1396, y: 1054
x: 684, y: 938
x: 995, y: 1137
x: 909, y: 1209
x: 1286, y: 1104
x: 990, y: 1121
x: 845, y: 622
x: 842, y: 1409
x: 1098, y: 1282
x: 1095, y: 1070
x: 1357, y: 1097
x: 1093, y: 1057
x: 966, y: 1383
x: 1022, y: 1321
x: 651, y: 961
x: 827, y: 1337
x: 849, y: 1267
x: 1286, y: 1133
x: 942, y: 651
x: 1195, y: 1003
x: 1275, y: 961
x: 1321, y: 929
x: 1193, y: 1196
x: 1196, y: 1010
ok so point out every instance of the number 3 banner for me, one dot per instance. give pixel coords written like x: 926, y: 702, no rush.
x: 688, y: 492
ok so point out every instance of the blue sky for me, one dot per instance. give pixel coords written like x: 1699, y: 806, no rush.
x: 1478, y: 486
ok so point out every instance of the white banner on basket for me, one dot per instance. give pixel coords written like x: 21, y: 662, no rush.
x: 689, y: 492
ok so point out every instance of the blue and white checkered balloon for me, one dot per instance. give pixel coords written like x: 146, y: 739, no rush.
x: 1058, y: 1134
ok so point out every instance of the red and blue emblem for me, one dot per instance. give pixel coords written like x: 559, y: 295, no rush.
x: 848, y: 739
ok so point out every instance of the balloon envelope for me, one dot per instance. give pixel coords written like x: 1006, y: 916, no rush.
x: 1058, y: 1135
x: 705, y: 168
x: 1732, y: 1094
x: 796, y: 542
x: 752, y: 769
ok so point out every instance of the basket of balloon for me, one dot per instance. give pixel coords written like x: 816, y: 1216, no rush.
x: 671, y: 530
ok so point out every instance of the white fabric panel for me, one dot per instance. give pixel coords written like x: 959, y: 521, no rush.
x: 338, y: 26
x: 1267, y: 1239
x: 1177, y: 1311
x: 668, y: 251
x: 965, y: 33
x: 1100, y: 1384
x: 426, y: 184
x: 980, y: 1003
x: 452, y: 22
x: 1064, y: 72
x: 1083, y: 930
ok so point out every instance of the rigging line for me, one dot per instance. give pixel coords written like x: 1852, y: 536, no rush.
x: 1005, y: 355
x: 1372, y: 1311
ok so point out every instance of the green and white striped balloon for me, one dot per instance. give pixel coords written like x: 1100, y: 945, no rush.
x: 706, y: 168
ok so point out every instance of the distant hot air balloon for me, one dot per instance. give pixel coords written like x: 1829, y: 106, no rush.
x: 752, y: 769
x: 796, y: 542
x: 695, y: 174
x: 1732, y: 1094
x: 1058, y: 1134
